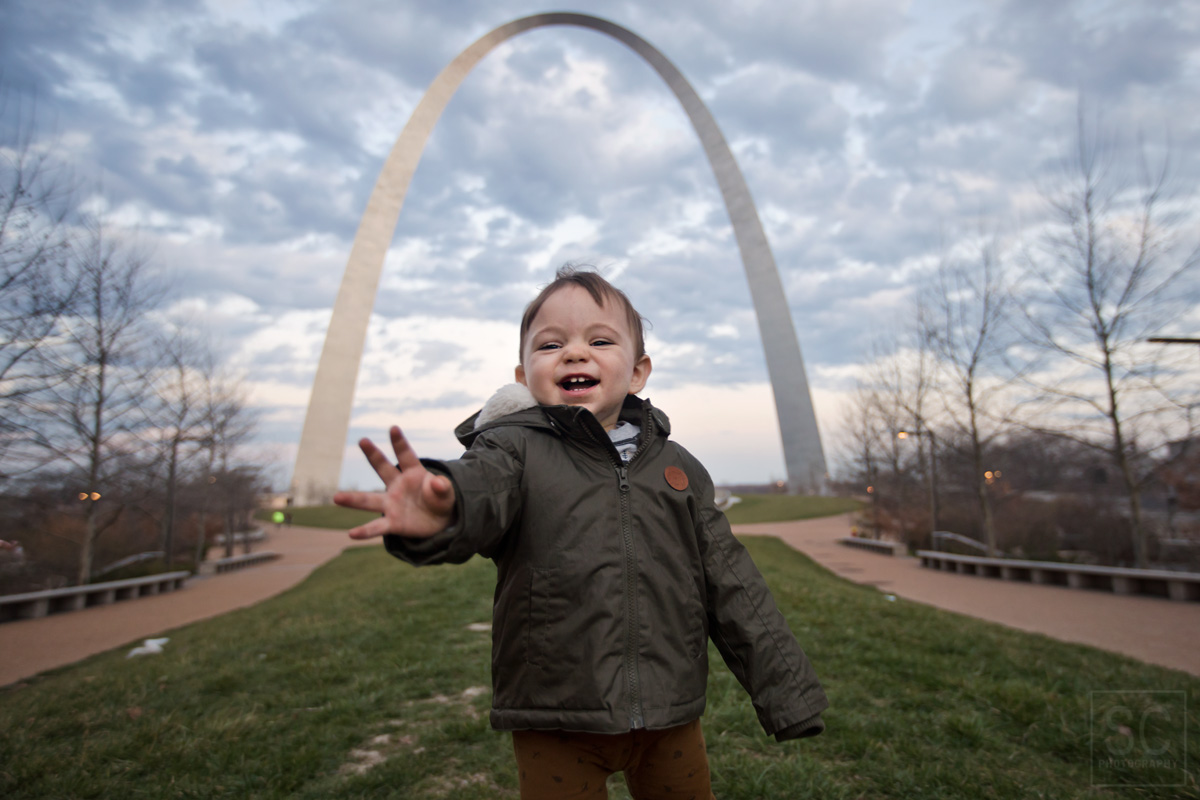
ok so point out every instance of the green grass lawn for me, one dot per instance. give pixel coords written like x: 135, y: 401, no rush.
x: 783, y: 507
x: 365, y: 681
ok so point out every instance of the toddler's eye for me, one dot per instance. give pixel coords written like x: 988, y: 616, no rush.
x: 600, y: 342
x: 548, y: 346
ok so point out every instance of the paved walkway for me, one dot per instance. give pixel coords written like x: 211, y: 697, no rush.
x: 28, y: 647
x: 1158, y: 631
x: 1150, y: 629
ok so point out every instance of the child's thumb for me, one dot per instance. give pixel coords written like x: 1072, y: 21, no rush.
x: 441, y: 487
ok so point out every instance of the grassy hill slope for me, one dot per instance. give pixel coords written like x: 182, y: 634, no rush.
x: 367, y: 681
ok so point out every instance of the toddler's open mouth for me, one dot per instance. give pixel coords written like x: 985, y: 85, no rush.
x: 578, y: 383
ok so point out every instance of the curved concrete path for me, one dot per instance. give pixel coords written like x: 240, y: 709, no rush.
x: 30, y: 646
x: 1152, y: 630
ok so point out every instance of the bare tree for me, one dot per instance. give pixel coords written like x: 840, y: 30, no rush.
x: 36, y: 287
x: 90, y: 420
x: 82, y: 401
x: 865, y: 434
x: 227, y: 422
x: 1109, y: 273
x: 968, y: 304
x: 893, y: 400
x: 902, y: 377
x: 180, y: 410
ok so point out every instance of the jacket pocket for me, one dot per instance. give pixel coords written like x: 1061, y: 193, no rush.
x: 545, y: 610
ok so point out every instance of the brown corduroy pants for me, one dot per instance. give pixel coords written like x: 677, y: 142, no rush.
x: 670, y: 763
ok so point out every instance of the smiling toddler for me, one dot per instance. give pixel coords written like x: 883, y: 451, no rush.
x: 614, y: 566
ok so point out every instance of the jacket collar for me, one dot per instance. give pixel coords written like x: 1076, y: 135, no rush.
x: 513, y: 405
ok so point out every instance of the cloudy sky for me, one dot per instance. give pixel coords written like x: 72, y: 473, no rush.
x: 240, y: 139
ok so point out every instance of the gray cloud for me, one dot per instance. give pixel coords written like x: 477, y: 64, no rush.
x: 1103, y: 50
x: 871, y: 137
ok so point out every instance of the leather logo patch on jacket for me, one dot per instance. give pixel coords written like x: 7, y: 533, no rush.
x: 676, y: 478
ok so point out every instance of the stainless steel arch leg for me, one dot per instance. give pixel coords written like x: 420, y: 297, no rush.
x: 319, y: 459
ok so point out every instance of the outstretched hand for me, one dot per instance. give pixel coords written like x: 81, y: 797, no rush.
x: 415, y: 502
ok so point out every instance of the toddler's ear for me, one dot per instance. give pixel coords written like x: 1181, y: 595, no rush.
x: 519, y: 374
x: 641, y: 373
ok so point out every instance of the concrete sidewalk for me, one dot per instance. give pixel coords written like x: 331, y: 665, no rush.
x: 1150, y: 629
x: 28, y: 647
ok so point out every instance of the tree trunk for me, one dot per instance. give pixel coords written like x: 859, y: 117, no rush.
x: 90, y: 532
x: 168, y: 525
x: 1136, y: 526
x: 933, y: 482
x: 89, y: 538
x: 873, y: 477
x: 227, y: 526
x: 1121, y: 456
x: 202, y: 538
x: 981, y: 490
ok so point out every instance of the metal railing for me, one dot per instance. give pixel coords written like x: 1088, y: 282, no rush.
x: 939, y: 536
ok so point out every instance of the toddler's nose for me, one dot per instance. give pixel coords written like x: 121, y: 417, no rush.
x: 573, y: 351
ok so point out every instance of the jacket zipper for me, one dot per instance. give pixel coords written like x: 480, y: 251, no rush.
x: 636, y: 719
x: 631, y: 610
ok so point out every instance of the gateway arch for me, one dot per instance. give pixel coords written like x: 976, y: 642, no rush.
x: 327, y: 423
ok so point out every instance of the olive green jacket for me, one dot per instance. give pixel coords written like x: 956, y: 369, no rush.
x: 611, y: 579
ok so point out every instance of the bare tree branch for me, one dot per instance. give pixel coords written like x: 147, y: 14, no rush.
x: 1107, y: 275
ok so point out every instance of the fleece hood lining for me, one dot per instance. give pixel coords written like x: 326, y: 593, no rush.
x: 508, y: 399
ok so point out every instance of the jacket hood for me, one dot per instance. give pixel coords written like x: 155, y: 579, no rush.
x: 513, y: 404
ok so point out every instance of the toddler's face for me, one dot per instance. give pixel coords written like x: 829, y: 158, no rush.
x: 578, y: 353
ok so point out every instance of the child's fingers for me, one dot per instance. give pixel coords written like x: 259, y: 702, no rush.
x: 382, y: 466
x: 374, y: 528
x: 366, y: 501
x: 406, y: 457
